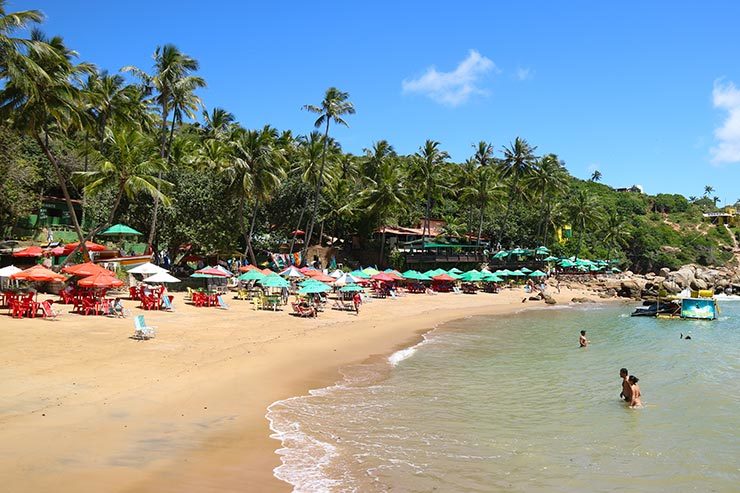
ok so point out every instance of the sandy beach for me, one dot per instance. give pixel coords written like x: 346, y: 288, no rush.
x: 86, y: 408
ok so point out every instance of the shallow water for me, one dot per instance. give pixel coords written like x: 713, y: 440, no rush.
x: 511, y: 403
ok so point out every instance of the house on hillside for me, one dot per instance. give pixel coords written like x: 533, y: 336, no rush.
x: 727, y: 215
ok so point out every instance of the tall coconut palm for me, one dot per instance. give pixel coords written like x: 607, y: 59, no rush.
x: 383, y: 194
x: 308, y: 160
x: 258, y: 170
x: 130, y: 169
x: 517, y: 164
x: 14, y: 50
x: 216, y: 123
x: 174, y: 83
x: 376, y: 156
x: 335, y: 105
x: 548, y: 180
x: 583, y: 211
x: 43, y: 107
x: 483, y: 189
x: 427, y: 174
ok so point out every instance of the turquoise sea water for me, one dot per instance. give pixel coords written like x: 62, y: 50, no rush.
x: 512, y: 404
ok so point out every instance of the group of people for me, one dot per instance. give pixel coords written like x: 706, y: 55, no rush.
x: 630, y: 389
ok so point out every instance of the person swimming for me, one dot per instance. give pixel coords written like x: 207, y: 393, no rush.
x: 687, y: 336
x: 626, y: 389
x: 582, y: 341
x: 635, y: 401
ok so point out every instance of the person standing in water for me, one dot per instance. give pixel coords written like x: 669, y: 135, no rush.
x: 635, y: 400
x: 626, y: 389
x: 582, y: 341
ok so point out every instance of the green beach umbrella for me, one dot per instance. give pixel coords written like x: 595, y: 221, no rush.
x: 410, y: 271
x: 314, y: 288
x: 308, y: 282
x: 566, y: 263
x: 472, y: 276
x: 551, y: 259
x: 518, y: 251
x: 614, y: 269
x: 206, y: 276
x: 360, y: 274
x: 416, y: 276
x: 252, y: 275
x: 455, y: 270
x: 501, y: 254
x: 492, y: 278
x: 120, y: 229
x: 525, y: 270
x: 537, y: 273
x: 370, y: 271
x: 274, y: 281
x: 517, y: 273
x: 543, y: 250
x: 350, y: 288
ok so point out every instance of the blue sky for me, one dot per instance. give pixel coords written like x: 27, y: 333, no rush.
x: 642, y: 91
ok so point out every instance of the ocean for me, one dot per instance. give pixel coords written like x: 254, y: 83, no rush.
x: 511, y: 403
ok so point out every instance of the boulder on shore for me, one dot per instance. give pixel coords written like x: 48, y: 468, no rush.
x: 582, y: 300
x: 550, y: 300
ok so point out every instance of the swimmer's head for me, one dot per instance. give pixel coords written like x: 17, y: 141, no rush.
x: 583, y: 332
x: 633, y: 379
x: 623, y: 372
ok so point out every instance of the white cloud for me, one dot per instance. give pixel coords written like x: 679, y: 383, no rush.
x: 455, y: 87
x: 726, y: 96
x: 523, y: 73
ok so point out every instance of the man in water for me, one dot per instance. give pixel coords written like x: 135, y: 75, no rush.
x: 582, y: 341
x: 626, y: 388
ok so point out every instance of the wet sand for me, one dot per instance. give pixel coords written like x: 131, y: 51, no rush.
x: 85, y: 408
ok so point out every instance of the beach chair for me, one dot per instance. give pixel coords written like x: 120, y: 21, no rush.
x: 47, y: 310
x: 190, y: 294
x: 304, y: 311
x: 243, y: 294
x: 142, y: 330
x: 456, y: 290
x: 167, y: 303
x: 221, y: 303
x: 393, y: 295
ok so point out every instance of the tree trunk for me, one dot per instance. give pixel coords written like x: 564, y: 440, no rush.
x: 578, y: 245
x: 321, y: 232
x: 317, y: 195
x: 242, y: 224
x: 506, y: 219
x: 480, y: 226
x: 67, y: 199
x: 252, y: 257
x: 425, y: 227
x: 300, y: 220
x: 381, y: 263
x: 162, y: 154
x: 546, y: 225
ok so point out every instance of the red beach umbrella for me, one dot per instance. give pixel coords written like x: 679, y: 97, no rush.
x: 323, y: 277
x: 38, y: 273
x: 443, y: 277
x: 32, y: 251
x: 57, y: 251
x: 91, y: 247
x: 100, y: 280
x: 382, y: 277
x: 86, y: 269
x: 212, y: 271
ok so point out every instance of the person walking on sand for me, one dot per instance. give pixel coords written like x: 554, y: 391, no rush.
x: 626, y: 393
x: 582, y: 341
x: 635, y: 401
x: 357, y: 300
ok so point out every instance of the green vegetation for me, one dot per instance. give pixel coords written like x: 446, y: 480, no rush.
x: 132, y: 147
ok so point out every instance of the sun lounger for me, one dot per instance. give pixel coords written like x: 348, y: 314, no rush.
x: 48, y: 311
x: 221, y: 303
x: 167, y: 303
x: 142, y: 330
x: 456, y: 290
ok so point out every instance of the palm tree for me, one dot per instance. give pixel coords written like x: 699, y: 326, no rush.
x: 384, y: 193
x: 174, y: 83
x: 584, y: 212
x: 217, y: 122
x: 335, y: 105
x: 427, y: 173
x: 481, y: 191
x: 130, y: 170
x: 595, y: 176
x: 548, y: 180
x: 14, y: 51
x: 708, y: 190
x: 42, y: 106
x: 309, y: 157
x: 257, y: 170
x: 614, y: 231
x: 517, y: 164
x: 376, y: 157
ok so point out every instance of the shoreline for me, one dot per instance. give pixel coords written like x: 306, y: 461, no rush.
x: 194, y: 418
